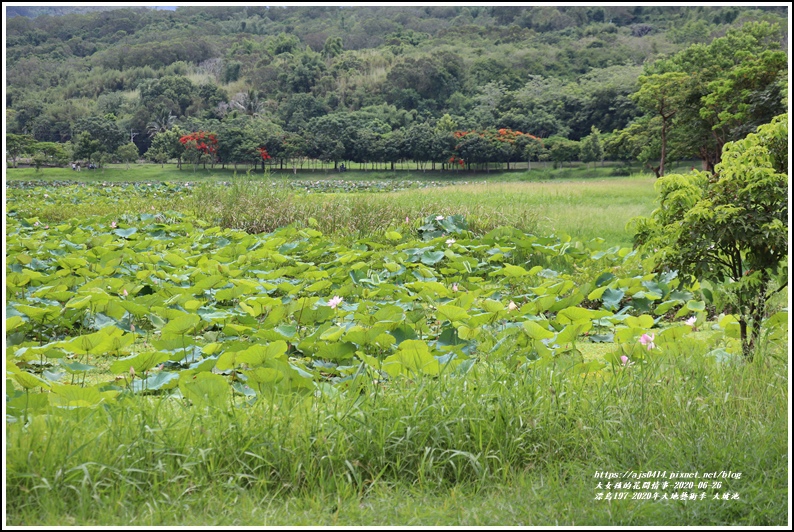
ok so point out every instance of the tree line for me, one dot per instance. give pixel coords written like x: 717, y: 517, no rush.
x: 330, y: 141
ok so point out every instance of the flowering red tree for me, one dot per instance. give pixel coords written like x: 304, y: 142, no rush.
x: 200, y: 146
x: 202, y: 141
x: 264, y: 155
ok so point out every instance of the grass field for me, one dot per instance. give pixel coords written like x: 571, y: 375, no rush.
x: 579, y: 205
x: 508, y: 442
x: 170, y: 172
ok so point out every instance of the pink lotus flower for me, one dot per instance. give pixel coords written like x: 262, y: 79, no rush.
x: 691, y: 321
x: 439, y: 218
x: 407, y: 220
x: 113, y: 224
x: 624, y: 360
x: 454, y: 287
x: 512, y: 306
x: 647, y: 341
x: 449, y: 242
x: 335, y: 301
x: 125, y: 292
x: 132, y: 372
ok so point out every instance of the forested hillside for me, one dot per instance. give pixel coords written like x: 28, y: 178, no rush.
x: 379, y: 84
x: 35, y: 11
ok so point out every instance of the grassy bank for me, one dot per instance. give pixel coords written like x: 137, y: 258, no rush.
x: 493, y: 447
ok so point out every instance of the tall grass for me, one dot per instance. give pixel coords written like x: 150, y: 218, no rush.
x: 543, y: 429
x: 582, y: 209
x: 262, y: 206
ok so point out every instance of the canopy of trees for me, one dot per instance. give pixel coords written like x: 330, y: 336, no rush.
x: 381, y: 84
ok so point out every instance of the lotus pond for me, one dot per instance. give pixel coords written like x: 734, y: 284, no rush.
x: 158, y: 303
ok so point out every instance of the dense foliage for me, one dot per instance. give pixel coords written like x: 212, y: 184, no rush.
x: 380, y: 84
x: 708, y: 95
x: 730, y: 227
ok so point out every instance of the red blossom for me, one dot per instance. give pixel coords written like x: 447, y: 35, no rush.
x: 197, y: 140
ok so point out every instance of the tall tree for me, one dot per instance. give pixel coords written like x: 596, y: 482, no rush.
x: 166, y: 144
x: 562, y: 150
x: 161, y: 123
x: 102, y: 129
x: 720, y: 90
x: 171, y: 93
x: 50, y: 153
x: 333, y: 47
x: 248, y: 102
x: 128, y: 153
x: 660, y: 95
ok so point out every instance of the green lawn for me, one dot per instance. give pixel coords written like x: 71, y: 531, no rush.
x: 582, y: 208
